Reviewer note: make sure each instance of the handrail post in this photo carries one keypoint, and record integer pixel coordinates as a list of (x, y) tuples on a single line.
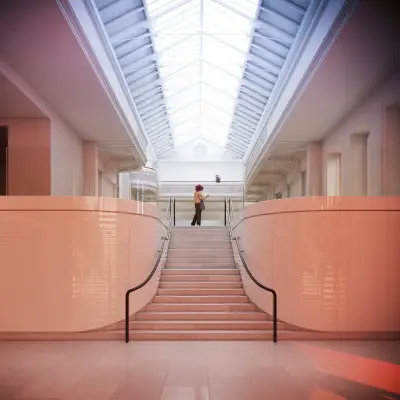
[(225, 212), (275, 316), (127, 317), (174, 211)]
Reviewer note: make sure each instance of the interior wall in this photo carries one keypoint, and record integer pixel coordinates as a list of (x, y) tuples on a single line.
[(29, 160), (72, 260), (66, 161), (335, 262), (368, 119), (198, 171)]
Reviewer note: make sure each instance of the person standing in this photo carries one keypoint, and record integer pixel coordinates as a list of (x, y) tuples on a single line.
[(198, 205)]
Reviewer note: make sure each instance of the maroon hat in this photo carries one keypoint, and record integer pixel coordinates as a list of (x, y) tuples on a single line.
[(199, 188)]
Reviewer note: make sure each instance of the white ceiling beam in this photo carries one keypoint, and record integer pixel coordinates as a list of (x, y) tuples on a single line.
[(257, 84), (242, 128), (258, 89), (154, 123), (123, 19), (248, 112), (247, 123), (238, 144), (244, 107), (253, 102), (168, 8), (171, 22), (244, 117), (279, 15), (135, 66), (266, 75), (150, 106), (232, 147), (162, 134), (157, 126), (145, 95), (301, 10), (118, 40), (143, 104), (245, 131), (237, 133), (269, 66), (155, 116), (153, 111), (252, 93), (132, 55), (285, 36), (143, 89)]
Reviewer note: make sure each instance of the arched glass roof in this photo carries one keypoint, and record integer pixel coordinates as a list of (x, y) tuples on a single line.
[(201, 68)]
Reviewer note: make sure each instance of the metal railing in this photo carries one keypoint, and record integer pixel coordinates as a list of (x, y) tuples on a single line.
[(168, 225), (258, 283)]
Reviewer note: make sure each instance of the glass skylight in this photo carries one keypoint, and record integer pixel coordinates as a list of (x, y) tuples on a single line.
[(201, 47)]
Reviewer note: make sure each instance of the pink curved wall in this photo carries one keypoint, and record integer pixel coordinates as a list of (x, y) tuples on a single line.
[(66, 262), (334, 261)]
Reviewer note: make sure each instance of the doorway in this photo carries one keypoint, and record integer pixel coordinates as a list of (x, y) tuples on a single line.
[(3, 160)]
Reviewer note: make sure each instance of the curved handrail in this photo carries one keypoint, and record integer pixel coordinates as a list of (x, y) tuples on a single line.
[(137, 287), (253, 278)]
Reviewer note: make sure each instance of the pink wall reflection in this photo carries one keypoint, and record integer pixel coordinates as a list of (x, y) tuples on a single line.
[(334, 262), (67, 261)]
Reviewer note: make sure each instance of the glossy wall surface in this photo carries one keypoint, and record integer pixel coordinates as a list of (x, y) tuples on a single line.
[(66, 262), (333, 261)]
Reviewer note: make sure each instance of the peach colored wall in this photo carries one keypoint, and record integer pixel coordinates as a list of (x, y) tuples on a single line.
[(368, 118), (66, 160), (334, 261), (67, 261), (28, 156)]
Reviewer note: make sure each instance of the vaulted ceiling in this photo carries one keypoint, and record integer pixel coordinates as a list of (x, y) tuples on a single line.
[(201, 69)]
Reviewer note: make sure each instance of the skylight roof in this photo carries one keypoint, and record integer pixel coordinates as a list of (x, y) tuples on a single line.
[(201, 46), (202, 68)]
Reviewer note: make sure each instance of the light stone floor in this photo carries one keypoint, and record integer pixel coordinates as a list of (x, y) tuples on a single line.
[(199, 370)]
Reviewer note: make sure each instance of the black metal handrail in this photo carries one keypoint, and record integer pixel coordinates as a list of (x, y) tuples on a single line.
[(160, 253), (253, 278)]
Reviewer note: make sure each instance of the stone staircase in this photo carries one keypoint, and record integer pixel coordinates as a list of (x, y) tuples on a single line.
[(200, 295)]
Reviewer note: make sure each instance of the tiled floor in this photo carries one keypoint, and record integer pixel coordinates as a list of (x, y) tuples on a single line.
[(199, 370)]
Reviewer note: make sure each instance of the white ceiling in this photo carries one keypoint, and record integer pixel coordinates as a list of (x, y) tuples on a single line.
[(365, 53), (37, 42)]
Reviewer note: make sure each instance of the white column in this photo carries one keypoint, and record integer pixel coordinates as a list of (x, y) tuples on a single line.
[(314, 169), (124, 186), (91, 168), (359, 166), (391, 152)]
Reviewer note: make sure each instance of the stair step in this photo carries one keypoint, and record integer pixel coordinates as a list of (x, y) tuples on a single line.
[(214, 279), (202, 260), (200, 292), (199, 265), (200, 316), (193, 244), (201, 237), (201, 307), (201, 271), (199, 284), (199, 325), (201, 299), (199, 335), (201, 253)]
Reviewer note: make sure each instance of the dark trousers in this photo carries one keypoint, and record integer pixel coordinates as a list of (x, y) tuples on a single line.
[(197, 215)]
